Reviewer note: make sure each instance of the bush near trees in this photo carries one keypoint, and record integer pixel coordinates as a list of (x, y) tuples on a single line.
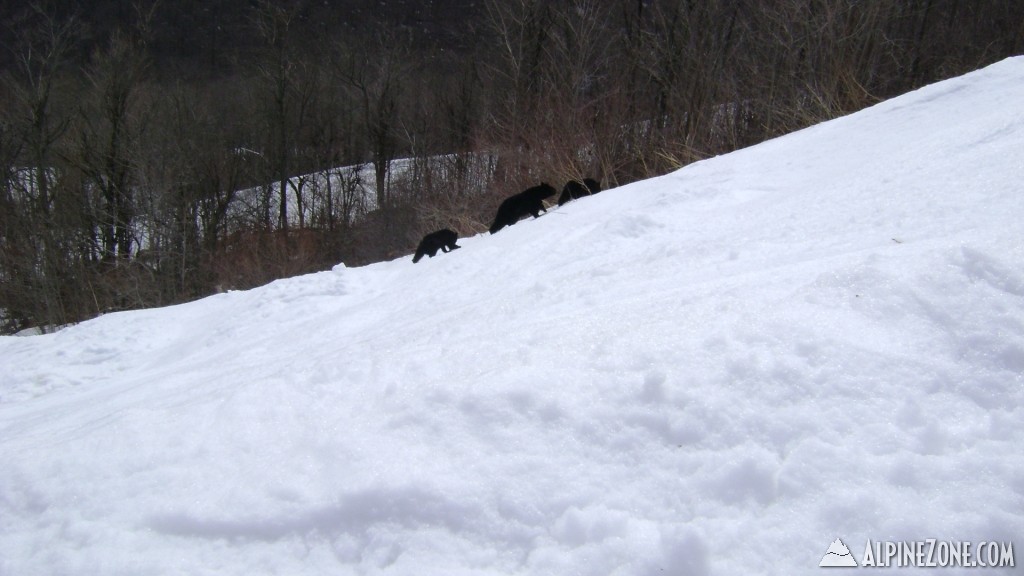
[(152, 153)]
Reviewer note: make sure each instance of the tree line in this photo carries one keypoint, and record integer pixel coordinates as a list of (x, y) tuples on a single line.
[(129, 181)]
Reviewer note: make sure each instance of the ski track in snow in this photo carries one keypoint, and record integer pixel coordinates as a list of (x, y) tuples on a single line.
[(719, 371)]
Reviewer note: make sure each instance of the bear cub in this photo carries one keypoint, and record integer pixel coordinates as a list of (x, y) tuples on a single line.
[(443, 240), (529, 201), (574, 189)]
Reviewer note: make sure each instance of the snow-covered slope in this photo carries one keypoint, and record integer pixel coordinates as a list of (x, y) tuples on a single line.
[(720, 371)]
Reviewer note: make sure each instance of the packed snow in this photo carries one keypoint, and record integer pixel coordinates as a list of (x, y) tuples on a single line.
[(716, 372)]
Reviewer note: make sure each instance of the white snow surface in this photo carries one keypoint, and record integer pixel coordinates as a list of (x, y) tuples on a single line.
[(718, 371)]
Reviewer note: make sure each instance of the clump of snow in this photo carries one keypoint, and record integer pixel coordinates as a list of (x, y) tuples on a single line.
[(718, 371)]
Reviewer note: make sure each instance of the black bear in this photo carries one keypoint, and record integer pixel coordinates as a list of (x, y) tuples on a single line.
[(441, 240), (529, 201), (574, 189)]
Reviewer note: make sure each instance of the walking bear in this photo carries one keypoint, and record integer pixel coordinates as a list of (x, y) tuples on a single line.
[(441, 240), (574, 189), (529, 201)]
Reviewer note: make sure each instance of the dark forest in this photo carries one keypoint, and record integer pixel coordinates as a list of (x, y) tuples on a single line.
[(157, 152)]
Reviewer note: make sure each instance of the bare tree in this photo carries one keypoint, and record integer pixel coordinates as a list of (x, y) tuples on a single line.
[(520, 33), (276, 70), (107, 128), (37, 232), (377, 77)]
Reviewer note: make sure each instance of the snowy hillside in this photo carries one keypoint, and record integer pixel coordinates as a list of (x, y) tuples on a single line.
[(720, 371)]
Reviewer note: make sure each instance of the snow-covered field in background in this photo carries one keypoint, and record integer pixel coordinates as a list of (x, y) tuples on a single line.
[(353, 189), (719, 371)]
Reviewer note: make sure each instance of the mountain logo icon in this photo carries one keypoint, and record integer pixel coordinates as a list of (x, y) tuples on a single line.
[(838, 556)]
